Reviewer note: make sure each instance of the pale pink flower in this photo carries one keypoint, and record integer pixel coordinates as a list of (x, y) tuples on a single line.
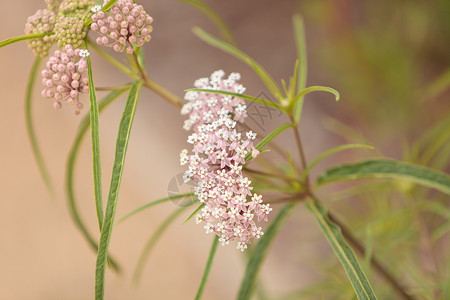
[(43, 21), (125, 25), (64, 77), (216, 161)]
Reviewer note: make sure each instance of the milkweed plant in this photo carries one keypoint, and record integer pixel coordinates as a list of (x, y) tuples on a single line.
[(224, 157)]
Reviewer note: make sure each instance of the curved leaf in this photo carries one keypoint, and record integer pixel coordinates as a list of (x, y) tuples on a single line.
[(73, 154), (310, 89), (224, 30), (269, 138), (145, 206), (152, 241), (260, 251), (327, 153), (384, 168), (266, 78), (95, 140), (30, 127), (22, 38), (116, 178), (242, 96), (208, 266), (342, 250)]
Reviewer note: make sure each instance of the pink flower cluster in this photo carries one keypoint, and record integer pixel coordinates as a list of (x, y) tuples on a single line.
[(43, 21), (219, 152), (63, 77), (124, 26)]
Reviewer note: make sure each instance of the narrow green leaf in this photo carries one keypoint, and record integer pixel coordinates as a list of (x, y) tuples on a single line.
[(30, 127), (383, 168), (221, 25), (327, 153), (152, 241), (116, 178), (153, 203), (342, 250), (293, 81), (208, 266), (70, 167), (22, 38), (95, 140), (108, 5), (266, 78), (299, 98), (300, 42), (194, 212), (260, 251), (242, 96), (269, 138)]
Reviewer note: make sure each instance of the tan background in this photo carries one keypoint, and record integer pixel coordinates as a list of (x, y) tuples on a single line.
[(43, 256)]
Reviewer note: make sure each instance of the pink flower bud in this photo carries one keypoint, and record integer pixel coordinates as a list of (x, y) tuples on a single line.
[(71, 66), (94, 26), (57, 105), (56, 77), (75, 84), (61, 68), (73, 94), (60, 88), (133, 29), (45, 73), (49, 83), (76, 76)]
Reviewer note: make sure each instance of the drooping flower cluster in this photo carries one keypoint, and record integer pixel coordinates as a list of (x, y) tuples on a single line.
[(43, 21), (219, 152), (64, 79), (124, 26)]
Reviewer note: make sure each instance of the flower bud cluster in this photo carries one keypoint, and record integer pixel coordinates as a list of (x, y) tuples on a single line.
[(53, 4), (219, 153), (63, 77), (69, 31), (125, 25), (69, 28), (43, 21)]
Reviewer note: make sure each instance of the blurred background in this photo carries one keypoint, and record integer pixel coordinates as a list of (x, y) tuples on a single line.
[(388, 59)]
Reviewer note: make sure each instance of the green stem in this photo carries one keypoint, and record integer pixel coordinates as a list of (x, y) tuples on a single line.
[(300, 151), (121, 67), (155, 87), (23, 38)]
